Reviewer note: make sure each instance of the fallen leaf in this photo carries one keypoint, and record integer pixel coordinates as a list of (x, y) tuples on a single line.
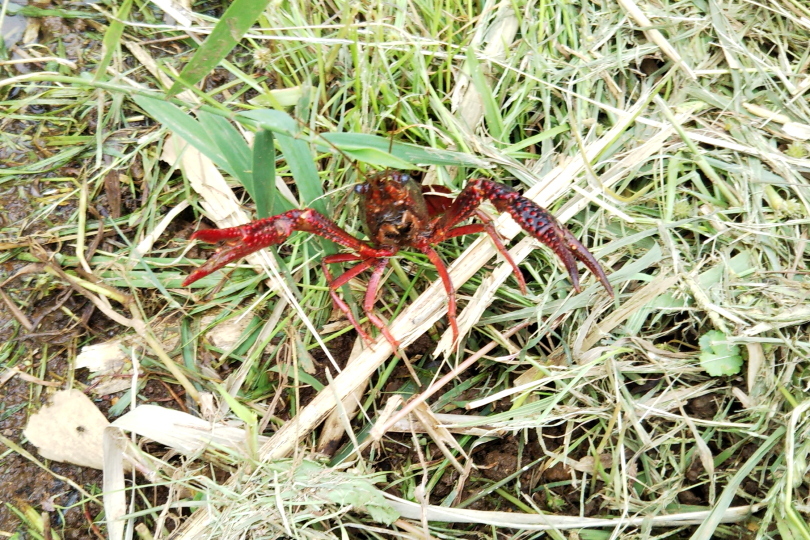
[(69, 430)]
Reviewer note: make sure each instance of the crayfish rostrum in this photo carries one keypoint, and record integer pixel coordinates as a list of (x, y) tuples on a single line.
[(399, 213)]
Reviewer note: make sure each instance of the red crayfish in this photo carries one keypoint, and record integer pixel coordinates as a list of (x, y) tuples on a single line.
[(399, 213)]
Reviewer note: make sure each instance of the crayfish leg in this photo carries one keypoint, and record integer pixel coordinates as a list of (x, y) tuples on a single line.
[(448, 287), (371, 296), (378, 265), (489, 228), (335, 284)]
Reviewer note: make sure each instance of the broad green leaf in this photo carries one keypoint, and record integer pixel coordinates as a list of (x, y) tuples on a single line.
[(183, 125), (216, 138), (230, 143), (236, 20), (277, 98), (272, 120), (718, 357), (378, 157), (299, 159)]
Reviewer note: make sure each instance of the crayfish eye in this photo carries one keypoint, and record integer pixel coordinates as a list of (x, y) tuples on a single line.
[(361, 188), (404, 178)]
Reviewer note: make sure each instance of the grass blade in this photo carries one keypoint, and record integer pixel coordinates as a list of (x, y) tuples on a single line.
[(226, 34), (263, 189), (492, 111), (302, 166), (112, 39), (230, 143), (352, 143), (183, 125), (271, 120)]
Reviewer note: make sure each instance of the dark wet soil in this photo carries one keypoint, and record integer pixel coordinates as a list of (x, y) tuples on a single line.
[(23, 483), (43, 337)]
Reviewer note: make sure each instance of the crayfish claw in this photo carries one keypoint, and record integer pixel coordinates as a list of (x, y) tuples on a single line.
[(542, 225), (212, 236), (226, 254), (575, 248)]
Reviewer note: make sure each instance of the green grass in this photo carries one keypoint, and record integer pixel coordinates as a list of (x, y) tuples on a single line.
[(665, 163)]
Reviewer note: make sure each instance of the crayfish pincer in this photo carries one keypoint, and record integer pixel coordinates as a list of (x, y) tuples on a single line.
[(399, 213)]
